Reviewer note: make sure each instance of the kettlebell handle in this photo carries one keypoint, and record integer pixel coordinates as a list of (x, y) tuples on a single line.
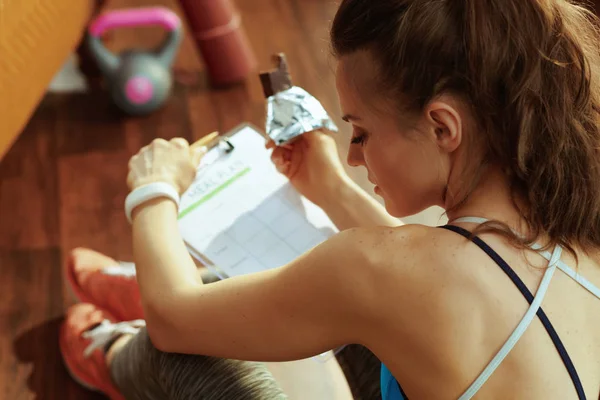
[(131, 18), (135, 17)]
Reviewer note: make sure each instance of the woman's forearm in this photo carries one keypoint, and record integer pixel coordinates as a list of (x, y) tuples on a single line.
[(163, 263), (349, 206)]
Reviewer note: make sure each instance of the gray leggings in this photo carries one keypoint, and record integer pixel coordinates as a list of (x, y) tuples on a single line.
[(141, 372)]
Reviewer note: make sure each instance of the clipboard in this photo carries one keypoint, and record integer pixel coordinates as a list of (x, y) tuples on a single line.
[(252, 217), (278, 213), (211, 141)]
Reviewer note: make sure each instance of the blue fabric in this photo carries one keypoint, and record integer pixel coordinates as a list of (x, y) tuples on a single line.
[(390, 389)]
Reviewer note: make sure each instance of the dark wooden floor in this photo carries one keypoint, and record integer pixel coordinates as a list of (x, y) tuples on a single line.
[(63, 183)]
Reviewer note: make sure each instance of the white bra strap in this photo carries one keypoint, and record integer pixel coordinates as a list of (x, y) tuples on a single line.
[(519, 330), (589, 286), (472, 220)]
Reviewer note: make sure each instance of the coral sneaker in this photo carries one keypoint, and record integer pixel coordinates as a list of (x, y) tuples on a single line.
[(86, 332), (112, 285)]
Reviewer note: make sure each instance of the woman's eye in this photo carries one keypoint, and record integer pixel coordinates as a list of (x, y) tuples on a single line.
[(358, 136)]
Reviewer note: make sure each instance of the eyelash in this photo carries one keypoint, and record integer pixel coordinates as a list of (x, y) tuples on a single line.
[(359, 137)]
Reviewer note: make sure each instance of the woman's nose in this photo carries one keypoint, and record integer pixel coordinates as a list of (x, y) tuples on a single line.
[(355, 156)]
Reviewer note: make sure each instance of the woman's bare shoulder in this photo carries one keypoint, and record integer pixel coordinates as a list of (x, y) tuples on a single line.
[(412, 258), (386, 244), (415, 272)]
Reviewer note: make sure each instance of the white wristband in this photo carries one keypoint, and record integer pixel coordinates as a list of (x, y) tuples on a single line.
[(149, 192)]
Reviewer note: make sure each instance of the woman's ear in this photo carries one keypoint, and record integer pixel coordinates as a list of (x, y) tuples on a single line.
[(445, 122)]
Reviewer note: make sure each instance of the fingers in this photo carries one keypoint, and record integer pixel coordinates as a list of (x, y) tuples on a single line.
[(132, 161), (271, 144), (170, 161), (284, 169), (198, 153), (159, 143), (281, 157), (180, 143), (130, 180)]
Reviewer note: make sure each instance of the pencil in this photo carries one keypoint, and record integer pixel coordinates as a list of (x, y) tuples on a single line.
[(205, 140)]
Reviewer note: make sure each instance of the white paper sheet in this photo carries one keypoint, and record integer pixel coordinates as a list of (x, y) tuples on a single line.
[(242, 216)]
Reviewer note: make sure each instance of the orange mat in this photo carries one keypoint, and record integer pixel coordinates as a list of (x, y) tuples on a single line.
[(36, 38)]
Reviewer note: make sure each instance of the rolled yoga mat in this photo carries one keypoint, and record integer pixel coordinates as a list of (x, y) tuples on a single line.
[(217, 30)]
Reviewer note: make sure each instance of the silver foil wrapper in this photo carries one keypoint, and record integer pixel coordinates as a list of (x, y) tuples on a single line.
[(293, 112)]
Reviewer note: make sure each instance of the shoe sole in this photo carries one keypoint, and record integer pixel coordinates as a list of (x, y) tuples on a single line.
[(82, 381), (78, 380), (75, 292)]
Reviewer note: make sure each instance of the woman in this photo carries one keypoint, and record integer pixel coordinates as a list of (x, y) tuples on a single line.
[(486, 108)]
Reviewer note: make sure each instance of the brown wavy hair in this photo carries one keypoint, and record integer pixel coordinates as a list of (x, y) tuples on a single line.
[(529, 69)]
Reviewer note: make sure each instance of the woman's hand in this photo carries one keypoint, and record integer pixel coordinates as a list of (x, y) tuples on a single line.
[(312, 165), (173, 162)]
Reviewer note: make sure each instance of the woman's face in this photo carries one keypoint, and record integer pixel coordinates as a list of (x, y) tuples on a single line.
[(409, 164)]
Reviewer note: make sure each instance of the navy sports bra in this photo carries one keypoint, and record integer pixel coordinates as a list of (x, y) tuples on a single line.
[(391, 389)]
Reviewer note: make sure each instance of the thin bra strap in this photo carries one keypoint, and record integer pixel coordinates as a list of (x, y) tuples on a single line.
[(531, 300), (589, 286), (519, 330)]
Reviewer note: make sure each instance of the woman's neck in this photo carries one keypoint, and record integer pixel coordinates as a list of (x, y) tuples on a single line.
[(492, 199)]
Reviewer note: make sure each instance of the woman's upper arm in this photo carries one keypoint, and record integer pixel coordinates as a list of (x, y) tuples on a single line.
[(313, 304)]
